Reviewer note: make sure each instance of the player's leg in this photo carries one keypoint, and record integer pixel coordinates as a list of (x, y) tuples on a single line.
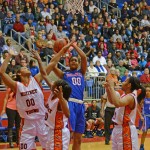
[(89, 128), (79, 127), (65, 138), (99, 123), (28, 133), (42, 132)]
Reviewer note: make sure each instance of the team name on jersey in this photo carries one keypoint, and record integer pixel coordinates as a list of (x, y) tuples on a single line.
[(72, 75), (48, 109), (28, 92), (32, 111)]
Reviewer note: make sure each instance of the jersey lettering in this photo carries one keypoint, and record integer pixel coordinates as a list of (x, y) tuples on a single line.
[(23, 146), (30, 102)]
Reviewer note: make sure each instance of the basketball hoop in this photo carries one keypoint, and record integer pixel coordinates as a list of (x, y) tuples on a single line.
[(74, 6)]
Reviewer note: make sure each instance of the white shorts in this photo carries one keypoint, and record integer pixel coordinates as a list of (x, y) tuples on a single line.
[(130, 140), (32, 128), (58, 139)]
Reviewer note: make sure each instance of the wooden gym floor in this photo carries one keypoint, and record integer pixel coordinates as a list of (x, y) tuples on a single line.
[(96, 143)]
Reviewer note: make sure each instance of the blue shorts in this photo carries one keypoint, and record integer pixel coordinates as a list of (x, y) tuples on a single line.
[(77, 119), (145, 125)]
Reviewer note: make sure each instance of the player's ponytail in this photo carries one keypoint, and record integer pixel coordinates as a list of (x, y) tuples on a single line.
[(135, 85)]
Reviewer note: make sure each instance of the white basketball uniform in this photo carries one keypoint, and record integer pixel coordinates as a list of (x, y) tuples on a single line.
[(124, 135), (30, 105), (58, 134)]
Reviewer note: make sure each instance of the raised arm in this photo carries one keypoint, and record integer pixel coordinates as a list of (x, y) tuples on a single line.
[(115, 99), (83, 59), (56, 59), (5, 77)]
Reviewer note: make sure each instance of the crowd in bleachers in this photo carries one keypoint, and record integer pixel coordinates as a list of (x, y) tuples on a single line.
[(123, 43)]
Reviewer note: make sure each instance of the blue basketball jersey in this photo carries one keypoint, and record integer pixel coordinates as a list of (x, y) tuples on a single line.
[(146, 108), (76, 80)]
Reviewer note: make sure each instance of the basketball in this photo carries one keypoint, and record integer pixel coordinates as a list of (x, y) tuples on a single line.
[(59, 44)]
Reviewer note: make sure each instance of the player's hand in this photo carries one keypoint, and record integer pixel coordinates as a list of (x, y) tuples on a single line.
[(59, 93), (35, 54)]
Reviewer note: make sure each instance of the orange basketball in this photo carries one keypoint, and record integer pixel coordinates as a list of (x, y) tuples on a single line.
[(59, 44)]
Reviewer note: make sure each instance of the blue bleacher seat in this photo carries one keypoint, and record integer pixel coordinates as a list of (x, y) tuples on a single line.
[(95, 41), (66, 32), (139, 73)]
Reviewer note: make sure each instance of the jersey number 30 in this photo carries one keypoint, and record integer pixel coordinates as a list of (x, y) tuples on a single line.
[(76, 81)]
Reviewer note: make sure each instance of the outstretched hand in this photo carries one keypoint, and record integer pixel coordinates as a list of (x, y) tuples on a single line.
[(35, 54)]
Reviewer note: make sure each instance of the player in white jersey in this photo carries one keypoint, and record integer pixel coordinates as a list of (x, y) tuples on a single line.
[(124, 135), (30, 99), (57, 116)]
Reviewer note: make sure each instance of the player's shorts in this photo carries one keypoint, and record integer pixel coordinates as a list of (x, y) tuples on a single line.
[(58, 139), (77, 119), (31, 129), (144, 125), (124, 138)]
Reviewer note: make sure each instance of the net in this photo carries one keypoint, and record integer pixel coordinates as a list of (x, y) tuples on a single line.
[(75, 6)]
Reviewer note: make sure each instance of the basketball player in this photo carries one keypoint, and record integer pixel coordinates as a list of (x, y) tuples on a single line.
[(30, 100), (124, 135), (75, 78), (145, 120)]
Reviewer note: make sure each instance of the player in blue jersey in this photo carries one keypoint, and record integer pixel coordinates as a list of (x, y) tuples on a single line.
[(145, 118), (75, 78)]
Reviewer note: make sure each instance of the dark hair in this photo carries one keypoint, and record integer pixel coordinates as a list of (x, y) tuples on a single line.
[(66, 89), (135, 85), (18, 78), (31, 63), (73, 57)]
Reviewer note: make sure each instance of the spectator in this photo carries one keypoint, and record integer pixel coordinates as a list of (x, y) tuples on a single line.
[(109, 65), (134, 62), (60, 33), (117, 58), (2, 42), (21, 56), (33, 68), (12, 67), (100, 58), (94, 119), (121, 67), (100, 68), (116, 36), (29, 15), (132, 50), (126, 75), (45, 13), (37, 14), (8, 45), (145, 77), (8, 23), (92, 71), (142, 63), (112, 75), (118, 75)]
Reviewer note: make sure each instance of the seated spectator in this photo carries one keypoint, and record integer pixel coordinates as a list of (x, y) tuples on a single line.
[(37, 14), (89, 37), (109, 65), (134, 74), (2, 42), (118, 76), (45, 13), (89, 51), (142, 63), (60, 33), (29, 15), (121, 67), (126, 75), (94, 120), (127, 61), (117, 58), (134, 63), (118, 44), (116, 36), (92, 7), (12, 67), (132, 50), (112, 75), (100, 68), (148, 63), (8, 45), (40, 26), (145, 77), (100, 58), (21, 56), (4, 55), (8, 22), (33, 68), (23, 63), (92, 71)]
